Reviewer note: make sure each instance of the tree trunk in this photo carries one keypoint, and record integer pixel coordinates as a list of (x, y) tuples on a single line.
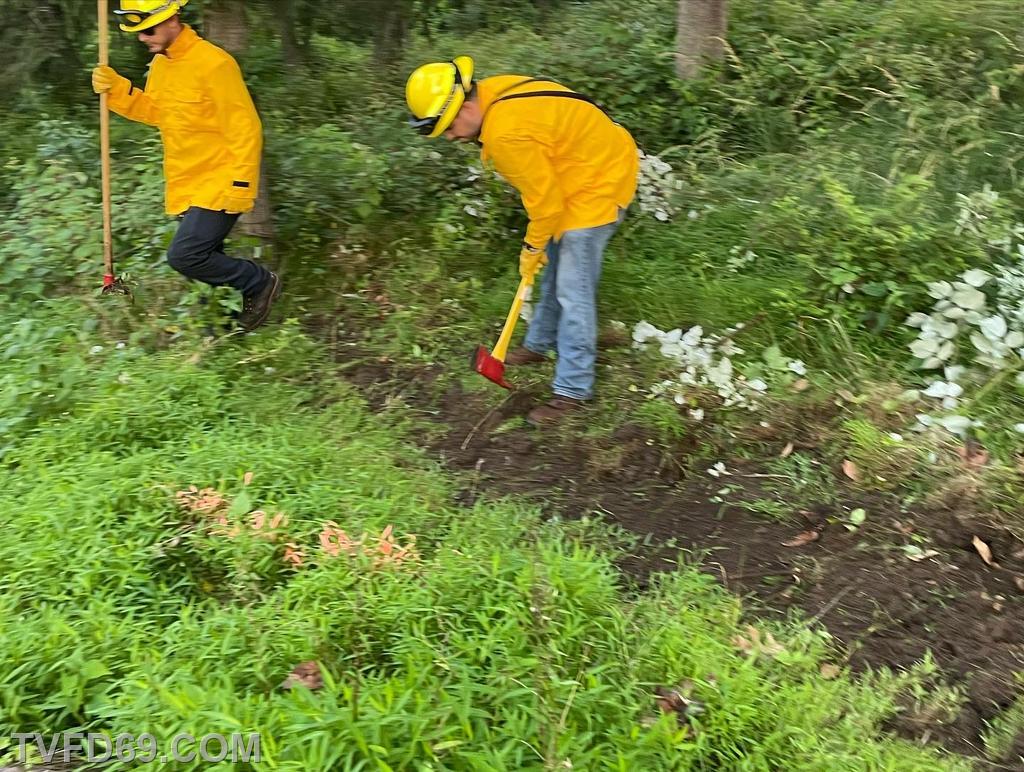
[(700, 35), (225, 24), (392, 28), (284, 12)]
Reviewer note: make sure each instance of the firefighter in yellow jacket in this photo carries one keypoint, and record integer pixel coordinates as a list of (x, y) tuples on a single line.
[(212, 141), (576, 172)]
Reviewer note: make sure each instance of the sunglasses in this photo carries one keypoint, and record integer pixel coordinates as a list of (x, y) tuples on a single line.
[(149, 31)]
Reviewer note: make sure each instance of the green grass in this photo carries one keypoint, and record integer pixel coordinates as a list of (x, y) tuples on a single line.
[(510, 645)]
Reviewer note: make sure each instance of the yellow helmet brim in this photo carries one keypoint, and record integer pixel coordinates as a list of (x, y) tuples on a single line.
[(141, 20), (436, 92)]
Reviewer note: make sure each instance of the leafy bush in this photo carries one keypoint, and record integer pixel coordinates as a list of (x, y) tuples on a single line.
[(506, 644)]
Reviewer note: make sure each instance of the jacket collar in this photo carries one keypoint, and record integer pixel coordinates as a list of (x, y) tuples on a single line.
[(181, 45)]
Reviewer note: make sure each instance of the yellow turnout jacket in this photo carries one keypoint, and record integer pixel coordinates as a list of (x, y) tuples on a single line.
[(210, 129), (572, 165)]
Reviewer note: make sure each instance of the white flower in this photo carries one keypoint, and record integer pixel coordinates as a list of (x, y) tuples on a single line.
[(95, 349), (940, 289), (758, 385), (1014, 339), (848, 288), (895, 437), (917, 319), (976, 277), (946, 350), (955, 424), (993, 327), (471, 210), (718, 470), (969, 298), (120, 344), (697, 415), (953, 372), (940, 389), (922, 348), (944, 329), (983, 344), (798, 367), (693, 214), (693, 336), (644, 331), (1019, 428)]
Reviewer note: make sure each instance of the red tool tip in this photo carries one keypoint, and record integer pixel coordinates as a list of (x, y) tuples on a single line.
[(491, 368)]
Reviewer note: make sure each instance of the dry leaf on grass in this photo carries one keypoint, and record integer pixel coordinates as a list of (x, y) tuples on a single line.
[(787, 451), (247, 478), (973, 455), (305, 674), (801, 385), (850, 470), (802, 539), (917, 554), (753, 644), (830, 671), (678, 701), (983, 550)]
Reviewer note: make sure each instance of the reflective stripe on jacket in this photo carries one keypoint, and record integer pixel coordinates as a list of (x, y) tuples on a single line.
[(211, 132), (572, 165)]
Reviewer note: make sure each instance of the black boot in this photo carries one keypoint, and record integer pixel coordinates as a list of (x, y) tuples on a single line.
[(256, 307)]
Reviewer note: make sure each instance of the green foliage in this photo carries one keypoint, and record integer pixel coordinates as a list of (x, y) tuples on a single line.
[(509, 646)]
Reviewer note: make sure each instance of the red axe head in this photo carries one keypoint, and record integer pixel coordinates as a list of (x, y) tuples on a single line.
[(490, 367)]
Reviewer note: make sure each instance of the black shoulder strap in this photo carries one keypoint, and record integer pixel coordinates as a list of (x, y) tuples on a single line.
[(563, 94)]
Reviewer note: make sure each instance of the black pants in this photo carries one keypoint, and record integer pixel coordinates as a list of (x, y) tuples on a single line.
[(197, 252)]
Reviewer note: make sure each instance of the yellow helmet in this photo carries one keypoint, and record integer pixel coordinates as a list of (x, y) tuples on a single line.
[(435, 93), (143, 14)]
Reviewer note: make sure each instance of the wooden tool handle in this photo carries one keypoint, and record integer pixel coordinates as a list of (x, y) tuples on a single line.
[(108, 244)]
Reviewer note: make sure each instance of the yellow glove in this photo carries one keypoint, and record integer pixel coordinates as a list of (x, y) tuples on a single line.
[(531, 260), (105, 78)]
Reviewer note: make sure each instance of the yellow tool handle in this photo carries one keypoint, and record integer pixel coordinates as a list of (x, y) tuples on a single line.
[(108, 244), (513, 315)]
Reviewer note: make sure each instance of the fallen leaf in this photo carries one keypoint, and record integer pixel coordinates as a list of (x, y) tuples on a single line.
[(983, 550), (973, 455), (247, 478), (917, 554), (787, 451), (801, 385), (846, 395), (850, 470), (830, 671), (1019, 581), (802, 539), (305, 674), (753, 643)]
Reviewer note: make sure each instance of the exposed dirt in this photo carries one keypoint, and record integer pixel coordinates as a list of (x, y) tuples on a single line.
[(886, 609)]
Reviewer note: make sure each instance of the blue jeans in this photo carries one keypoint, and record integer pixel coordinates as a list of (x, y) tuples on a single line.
[(565, 317)]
